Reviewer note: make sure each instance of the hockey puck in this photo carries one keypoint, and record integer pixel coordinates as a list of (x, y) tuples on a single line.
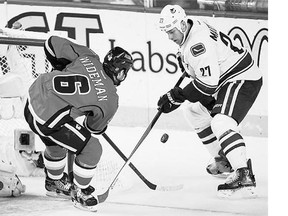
[(164, 138)]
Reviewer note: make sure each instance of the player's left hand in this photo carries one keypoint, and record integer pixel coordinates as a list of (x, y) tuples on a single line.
[(171, 100)]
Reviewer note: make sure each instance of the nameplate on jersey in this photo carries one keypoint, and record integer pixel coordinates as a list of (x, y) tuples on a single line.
[(197, 49)]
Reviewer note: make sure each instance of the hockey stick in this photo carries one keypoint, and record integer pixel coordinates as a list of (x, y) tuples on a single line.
[(103, 197), (70, 161), (138, 173)]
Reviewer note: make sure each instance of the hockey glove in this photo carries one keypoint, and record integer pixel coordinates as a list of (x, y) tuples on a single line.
[(171, 100), (96, 129)]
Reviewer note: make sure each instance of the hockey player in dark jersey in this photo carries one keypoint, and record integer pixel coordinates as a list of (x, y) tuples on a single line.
[(79, 85)]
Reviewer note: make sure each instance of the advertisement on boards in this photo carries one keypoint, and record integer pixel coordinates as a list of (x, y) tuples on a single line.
[(155, 69)]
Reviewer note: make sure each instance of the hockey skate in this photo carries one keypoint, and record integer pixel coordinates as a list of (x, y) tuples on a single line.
[(58, 188), (220, 167), (240, 184), (83, 198)]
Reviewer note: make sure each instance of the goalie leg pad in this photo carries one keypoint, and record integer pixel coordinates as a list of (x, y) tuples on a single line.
[(11, 85), (10, 184)]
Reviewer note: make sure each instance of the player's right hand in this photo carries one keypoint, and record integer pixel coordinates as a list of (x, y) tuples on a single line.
[(165, 105), (171, 100)]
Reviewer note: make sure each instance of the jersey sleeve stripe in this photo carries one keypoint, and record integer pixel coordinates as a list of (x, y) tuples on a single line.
[(59, 117), (49, 48)]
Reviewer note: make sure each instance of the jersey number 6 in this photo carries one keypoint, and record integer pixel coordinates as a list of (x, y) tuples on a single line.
[(71, 84)]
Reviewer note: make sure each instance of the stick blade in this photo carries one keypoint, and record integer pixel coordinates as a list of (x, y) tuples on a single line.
[(102, 197), (170, 188)]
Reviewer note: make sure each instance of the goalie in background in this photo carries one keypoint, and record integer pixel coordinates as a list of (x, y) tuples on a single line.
[(218, 69), (14, 79), (16, 69), (79, 85), (10, 184)]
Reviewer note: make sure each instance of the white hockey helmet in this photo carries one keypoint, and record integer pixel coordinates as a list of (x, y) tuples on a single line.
[(172, 16)]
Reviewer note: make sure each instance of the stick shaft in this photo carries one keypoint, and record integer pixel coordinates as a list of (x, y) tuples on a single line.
[(131, 165), (104, 196), (70, 161)]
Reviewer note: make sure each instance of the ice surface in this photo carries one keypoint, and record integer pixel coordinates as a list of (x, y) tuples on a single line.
[(181, 160)]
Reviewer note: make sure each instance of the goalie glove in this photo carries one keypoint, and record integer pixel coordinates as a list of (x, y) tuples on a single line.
[(171, 100)]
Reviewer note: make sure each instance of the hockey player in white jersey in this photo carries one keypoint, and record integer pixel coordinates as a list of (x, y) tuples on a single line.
[(225, 82)]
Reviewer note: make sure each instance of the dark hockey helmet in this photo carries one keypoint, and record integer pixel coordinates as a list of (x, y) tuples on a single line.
[(117, 63)]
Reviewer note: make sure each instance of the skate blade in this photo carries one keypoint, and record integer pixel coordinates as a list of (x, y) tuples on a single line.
[(85, 208), (57, 195), (222, 175), (244, 192)]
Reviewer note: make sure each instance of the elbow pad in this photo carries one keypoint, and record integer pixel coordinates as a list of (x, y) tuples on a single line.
[(57, 63)]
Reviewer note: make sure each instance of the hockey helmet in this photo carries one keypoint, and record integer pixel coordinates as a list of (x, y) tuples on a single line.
[(172, 16), (117, 63)]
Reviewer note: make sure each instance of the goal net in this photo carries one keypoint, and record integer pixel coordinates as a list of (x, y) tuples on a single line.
[(22, 60), (20, 64)]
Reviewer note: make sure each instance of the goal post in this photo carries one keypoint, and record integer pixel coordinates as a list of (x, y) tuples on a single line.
[(22, 41), (22, 60)]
